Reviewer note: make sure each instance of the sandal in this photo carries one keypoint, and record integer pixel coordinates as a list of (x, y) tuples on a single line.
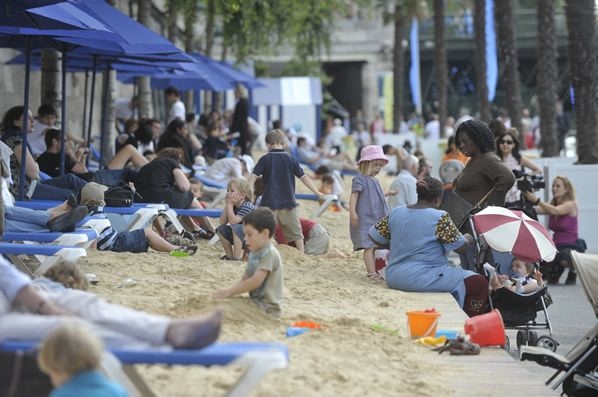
[(459, 347), (375, 276)]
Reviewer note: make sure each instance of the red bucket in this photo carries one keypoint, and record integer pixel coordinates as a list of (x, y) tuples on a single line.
[(486, 329)]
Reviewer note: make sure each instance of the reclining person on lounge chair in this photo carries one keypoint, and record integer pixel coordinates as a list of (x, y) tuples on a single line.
[(31, 310)]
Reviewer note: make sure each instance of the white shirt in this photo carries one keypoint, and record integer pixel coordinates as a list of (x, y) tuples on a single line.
[(225, 169), (35, 140), (336, 135), (122, 109), (432, 130), (404, 183), (177, 110)]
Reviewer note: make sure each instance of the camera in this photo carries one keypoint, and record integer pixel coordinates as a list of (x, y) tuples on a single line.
[(529, 183)]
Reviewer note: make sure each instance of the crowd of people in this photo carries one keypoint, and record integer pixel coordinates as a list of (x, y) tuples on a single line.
[(259, 207)]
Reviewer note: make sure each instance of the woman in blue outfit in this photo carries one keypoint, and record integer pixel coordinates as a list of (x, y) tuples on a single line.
[(420, 236)]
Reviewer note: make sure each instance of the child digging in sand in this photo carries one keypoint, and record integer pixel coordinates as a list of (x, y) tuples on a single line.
[(263, 274), (71, 357), (523, 277)]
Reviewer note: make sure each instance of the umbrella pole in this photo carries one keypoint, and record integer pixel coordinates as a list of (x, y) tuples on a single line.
[(85, 92), (25, 128), (93, 89), (104, 111), (63, 112)]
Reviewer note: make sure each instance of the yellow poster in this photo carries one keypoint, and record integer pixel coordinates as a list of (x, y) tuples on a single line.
[(387, 100)]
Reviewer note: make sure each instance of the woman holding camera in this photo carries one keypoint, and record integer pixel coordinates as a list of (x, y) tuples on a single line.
[(508, 151), (562, 214)]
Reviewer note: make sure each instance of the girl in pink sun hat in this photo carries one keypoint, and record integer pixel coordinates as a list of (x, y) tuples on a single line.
[(367, 204)]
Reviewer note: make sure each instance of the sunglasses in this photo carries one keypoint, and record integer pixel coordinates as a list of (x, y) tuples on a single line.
[(502, 141)]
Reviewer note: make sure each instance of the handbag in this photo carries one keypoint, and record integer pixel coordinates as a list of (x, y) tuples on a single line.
[(457, 207), (460, 209), (119, 196)]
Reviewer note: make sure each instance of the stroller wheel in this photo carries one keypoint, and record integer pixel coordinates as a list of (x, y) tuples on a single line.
[(547, 342), (521, 338), (532, 338)]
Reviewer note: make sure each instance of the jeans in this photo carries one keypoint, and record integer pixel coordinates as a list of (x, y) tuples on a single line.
[(111, 178), (58, 188), (19, 219)]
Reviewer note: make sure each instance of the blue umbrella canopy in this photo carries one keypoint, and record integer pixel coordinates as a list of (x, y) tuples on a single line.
[(46, 15), (226, 70), (130, 30), (78, 63)]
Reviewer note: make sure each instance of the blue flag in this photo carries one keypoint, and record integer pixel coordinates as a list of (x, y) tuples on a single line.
[(491, 61), (414, 72)]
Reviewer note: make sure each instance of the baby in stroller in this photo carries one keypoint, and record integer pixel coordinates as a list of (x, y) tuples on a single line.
[(523, 277)]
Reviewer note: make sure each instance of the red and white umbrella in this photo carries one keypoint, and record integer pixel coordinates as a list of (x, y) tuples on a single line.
[(512, 231)]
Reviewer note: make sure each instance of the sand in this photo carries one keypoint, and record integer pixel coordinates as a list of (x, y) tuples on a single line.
[(345, 358)]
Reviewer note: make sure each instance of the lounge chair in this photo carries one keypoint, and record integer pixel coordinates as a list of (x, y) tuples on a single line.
[(47, 255), (258, 359), (81, 238)]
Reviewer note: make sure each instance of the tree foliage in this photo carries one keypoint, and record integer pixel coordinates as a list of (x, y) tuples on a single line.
[(260, 27)]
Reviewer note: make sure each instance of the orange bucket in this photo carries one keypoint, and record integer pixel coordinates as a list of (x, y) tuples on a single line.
[(422, 323), (486, 329)]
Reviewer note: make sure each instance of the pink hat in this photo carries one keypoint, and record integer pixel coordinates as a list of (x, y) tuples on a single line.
[(372, 152)]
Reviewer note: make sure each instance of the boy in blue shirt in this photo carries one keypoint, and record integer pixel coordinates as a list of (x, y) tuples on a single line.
[(278, 171), (71, 356)]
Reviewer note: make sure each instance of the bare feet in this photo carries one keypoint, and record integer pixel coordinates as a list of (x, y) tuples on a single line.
[(195, 332)]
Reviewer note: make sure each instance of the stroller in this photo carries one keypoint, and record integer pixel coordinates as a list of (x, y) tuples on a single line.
[(580, 365), (500, 235)]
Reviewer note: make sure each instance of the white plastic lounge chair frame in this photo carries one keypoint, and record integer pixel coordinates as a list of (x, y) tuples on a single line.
[(258, 359), (47, 255)]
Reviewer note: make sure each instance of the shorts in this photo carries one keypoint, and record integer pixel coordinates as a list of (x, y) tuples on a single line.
[(289, 223), (226, 232), (318, 241), (134, 241)]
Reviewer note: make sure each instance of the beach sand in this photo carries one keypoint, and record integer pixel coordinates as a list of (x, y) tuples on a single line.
[(346, 357)]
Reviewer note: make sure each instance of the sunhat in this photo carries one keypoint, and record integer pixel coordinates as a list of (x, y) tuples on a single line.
[(248, 160), (372, 152)]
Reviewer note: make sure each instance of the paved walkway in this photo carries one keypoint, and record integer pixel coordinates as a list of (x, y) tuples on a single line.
[(492, 373)]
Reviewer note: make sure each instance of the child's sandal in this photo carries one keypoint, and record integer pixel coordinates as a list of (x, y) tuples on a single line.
[(374, 276)]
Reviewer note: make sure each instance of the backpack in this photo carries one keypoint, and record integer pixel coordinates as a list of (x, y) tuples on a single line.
[(119, 196)]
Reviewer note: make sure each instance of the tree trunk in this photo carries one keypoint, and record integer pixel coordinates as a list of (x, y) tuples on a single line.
[(505, 26), (144, 95), (190, 10), (398, 69), (479, 27), (440, 62), (547, 77), (107, 122), (582, 60), (171, 19), (50, 84), (210, 17)]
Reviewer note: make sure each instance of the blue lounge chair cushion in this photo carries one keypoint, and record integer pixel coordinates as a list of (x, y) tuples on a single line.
[(210, 182), (216, 354), (45, 237)]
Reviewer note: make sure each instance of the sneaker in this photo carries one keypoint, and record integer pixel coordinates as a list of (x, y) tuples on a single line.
[(184, 251)]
